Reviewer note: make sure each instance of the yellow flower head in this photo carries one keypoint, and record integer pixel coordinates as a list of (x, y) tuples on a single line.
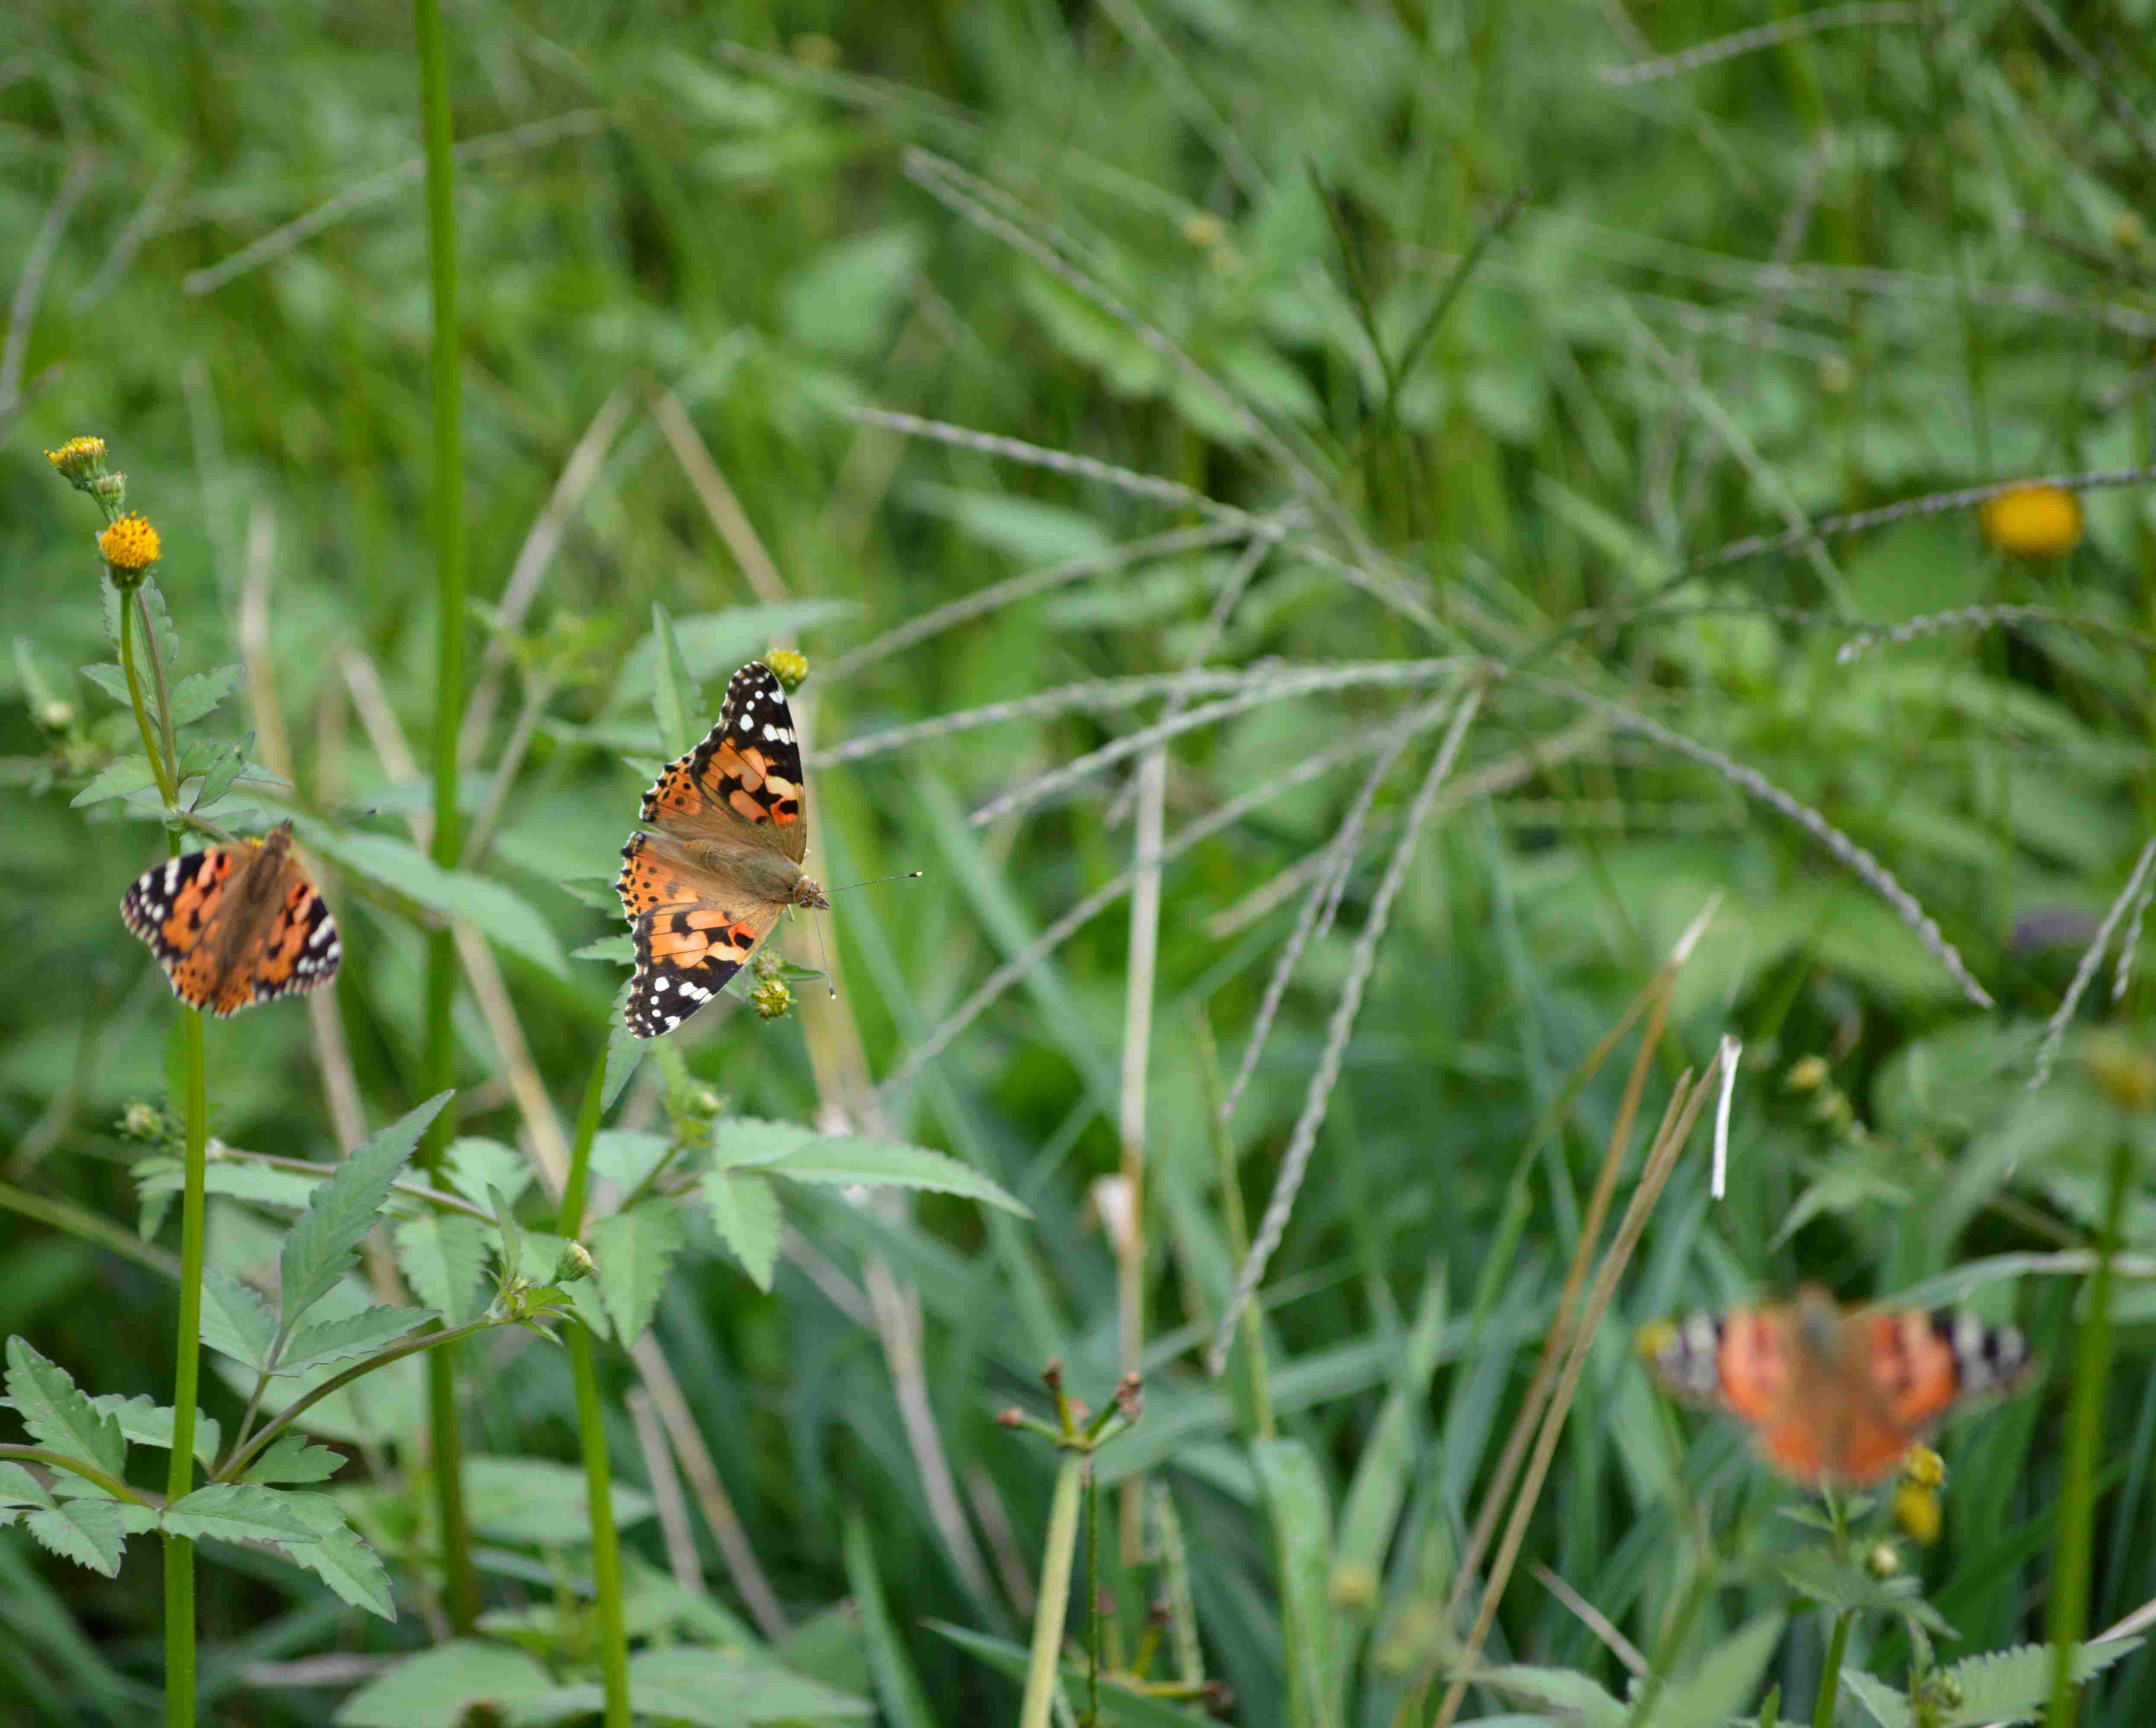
[(131, 546), (2034, 521), (771, 999), (1923, 1467), (791, 667), (80, 459), (1916, 1511)]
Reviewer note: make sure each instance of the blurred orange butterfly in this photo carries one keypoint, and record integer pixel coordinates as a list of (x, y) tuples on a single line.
[(1833, 1394)]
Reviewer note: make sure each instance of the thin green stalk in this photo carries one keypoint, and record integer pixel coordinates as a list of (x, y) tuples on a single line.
[(1055, 1600), (443, 1423), (165, 789), (591, 1424), (1829, 1685), (1259, 1387), (141, 609), (79, 1221), (233, 1468), (1669, 1648), (2070, 1562), (75, 1466), (1092, 1598)]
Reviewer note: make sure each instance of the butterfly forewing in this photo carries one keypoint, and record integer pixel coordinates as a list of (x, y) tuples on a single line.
[(235, 925)]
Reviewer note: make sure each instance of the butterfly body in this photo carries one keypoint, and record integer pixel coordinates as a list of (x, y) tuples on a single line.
[(1837, 1395), (722, 860), (235, 925)]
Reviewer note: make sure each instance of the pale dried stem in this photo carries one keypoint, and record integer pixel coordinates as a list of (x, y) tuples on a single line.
[(1979, 618), (2055, 1028), (534, 558), (1278, 686), (1854, 858), (376, 188), (1144, 953), (549, 1145), (1596, 1621), (1764, 36), (1026, 958), (332, 1055), (674, 1527), (717, 497), (1302, 1141), (1686, 1102), (1023, 586), (703, 1474), (994, 1520)]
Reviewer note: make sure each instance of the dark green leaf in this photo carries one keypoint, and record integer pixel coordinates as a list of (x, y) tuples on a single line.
[(356, 1335), (290, 1458), (497, 912), (148, 1424), (116, 779), (58, 1414), (443, 1256), (341, 1210), (636, 1249), (745, 1207), (90, 1532)]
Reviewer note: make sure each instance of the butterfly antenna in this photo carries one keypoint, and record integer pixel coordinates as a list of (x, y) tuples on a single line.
[(902, 876), (824, 955)]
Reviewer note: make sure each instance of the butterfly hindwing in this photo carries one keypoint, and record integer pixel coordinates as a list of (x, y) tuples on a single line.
[(746, 770), (235, 925), (689, 939)]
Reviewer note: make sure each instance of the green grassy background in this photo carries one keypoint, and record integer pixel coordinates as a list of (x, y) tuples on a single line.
[(1855, 266)]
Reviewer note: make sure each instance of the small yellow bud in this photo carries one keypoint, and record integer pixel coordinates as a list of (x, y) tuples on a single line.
[(1882, 1560), (1806, 1073), (2123, 1069), (130, 546), (771, 999), (79, 460), (2127, 231), (766, 964), (575, 1263), (1923, 1467), (792, 667), (108, 488), (1204, 229), (2034, 521), (142, 1121), (1916, 1511), (1354, 1586)]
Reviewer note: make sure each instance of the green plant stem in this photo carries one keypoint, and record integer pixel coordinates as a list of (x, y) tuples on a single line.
[(179, 1550), (2071, 1563), (79, 1221), (1257, 1387), (164, 779), (462, 1580), (141, 609), (1055, 1592), (75, 1466), (1829, 1685), (1670, 1647), (236, 1466), (591, 1424)]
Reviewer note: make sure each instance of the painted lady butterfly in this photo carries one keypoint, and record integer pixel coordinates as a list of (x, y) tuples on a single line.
[(710, 884), (235, 925), (1834, 1394)]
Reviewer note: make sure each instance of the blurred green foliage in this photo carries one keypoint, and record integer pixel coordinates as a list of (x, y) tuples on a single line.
[(1425, 295)]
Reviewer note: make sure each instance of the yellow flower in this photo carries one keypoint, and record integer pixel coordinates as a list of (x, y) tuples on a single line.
[(2034, 521), (80, 459), (792, 667), (771, 999), (1916, 1511), (131, 546), (1923, 1467)]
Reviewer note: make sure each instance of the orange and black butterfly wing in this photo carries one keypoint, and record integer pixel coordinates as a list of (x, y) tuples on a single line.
[(291, 950), (174, 907), (747, 770), (690, 934)]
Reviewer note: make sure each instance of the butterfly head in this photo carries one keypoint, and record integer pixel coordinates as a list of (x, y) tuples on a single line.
[(809, 892), (1818, 1322), (277, 843)]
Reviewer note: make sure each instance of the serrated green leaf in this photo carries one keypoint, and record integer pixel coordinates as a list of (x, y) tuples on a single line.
[(151, 1424), (621, 950), (1884, 1705), (443, 1256), (360, 1333), (438, 1687), (2015, 1685), (674, 697), (636, 1250), (474, 1164), (341, 1211), (1727, 1678), (713, 644), (625, 1050), (627, 1157), (290, 1458), (237, 1512), (337, 1554), (160, 627), (19, 1488), (597, 892), (1575, 1698), (235, 1321), (844, 1160), (702, 1688), (223, 769), (497, 912), (199, 693), (109, 676), (511, 1248), (116, 779), (91, 1533), (59, 1414), (745, 1207)]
